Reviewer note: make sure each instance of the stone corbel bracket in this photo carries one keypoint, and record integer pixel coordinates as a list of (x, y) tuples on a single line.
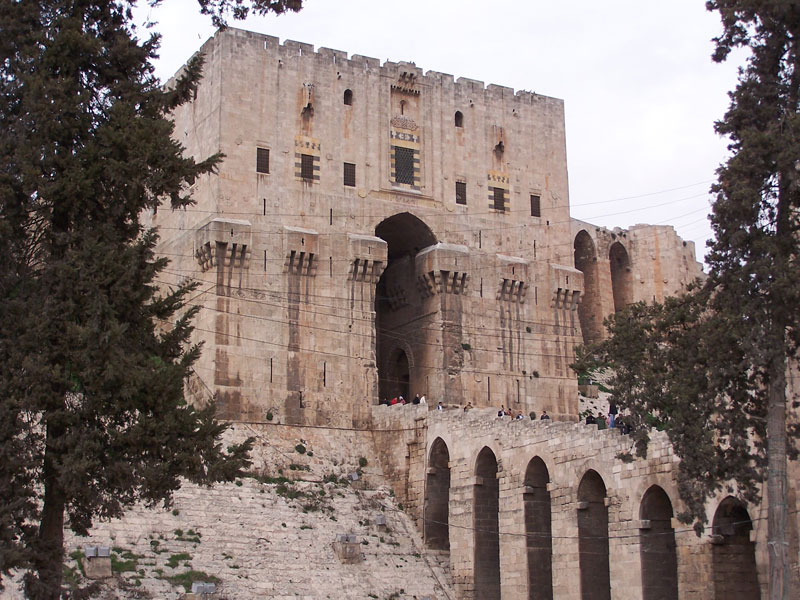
[(231, 236), (300, 251), (368, 255), (514, 278), (567, 287), (443, 269)]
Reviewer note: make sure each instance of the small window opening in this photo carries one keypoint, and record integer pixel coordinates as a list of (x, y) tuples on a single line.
[(459, 119), (499, 199), (536, 206), (461, 192), (404, 165), (350, 174), (348, 97), (307, 167), (262, 160), (402, 107)]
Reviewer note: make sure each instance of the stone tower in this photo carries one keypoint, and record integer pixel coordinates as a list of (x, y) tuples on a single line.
[(376, 231)]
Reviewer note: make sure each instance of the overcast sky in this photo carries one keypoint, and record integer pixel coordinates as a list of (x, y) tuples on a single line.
[(640, 89)]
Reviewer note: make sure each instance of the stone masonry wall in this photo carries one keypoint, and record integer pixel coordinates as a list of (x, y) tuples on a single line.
[(569, 451)]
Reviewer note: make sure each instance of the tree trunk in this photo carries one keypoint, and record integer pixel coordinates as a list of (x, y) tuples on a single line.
[(777, 544), (49, 557)]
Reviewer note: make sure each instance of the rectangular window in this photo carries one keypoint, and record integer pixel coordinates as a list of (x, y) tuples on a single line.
[(307, 167), (262, 160), (404, 165), (461, 192), (536, 206), (350, 174), (499, 199)]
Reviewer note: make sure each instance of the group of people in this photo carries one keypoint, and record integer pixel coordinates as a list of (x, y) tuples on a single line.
[(402, 401), (613, 421), (518, 416)]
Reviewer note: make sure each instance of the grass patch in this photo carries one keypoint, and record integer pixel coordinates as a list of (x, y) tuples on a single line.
[(127, 562), (187, 578), (174, 559), (77, 556), (71, 576)]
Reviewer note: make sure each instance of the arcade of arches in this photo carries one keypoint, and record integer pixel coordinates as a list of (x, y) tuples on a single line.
[(531, 510), (612, 272), (734, 563)]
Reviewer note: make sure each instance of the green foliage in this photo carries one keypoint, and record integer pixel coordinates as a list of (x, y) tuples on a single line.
[(709, 368), (124, 564), (300, 449), (186, 579), (362, 462), (175, 559), (92, 412)]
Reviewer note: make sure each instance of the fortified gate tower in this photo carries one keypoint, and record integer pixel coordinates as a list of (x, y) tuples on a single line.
[(377, 231)]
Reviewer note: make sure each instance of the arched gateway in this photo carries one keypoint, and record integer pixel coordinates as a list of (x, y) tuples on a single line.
[(400, 334)]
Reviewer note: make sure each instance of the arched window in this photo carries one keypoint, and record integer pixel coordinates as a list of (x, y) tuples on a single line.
[(459, 119), (348, 97)]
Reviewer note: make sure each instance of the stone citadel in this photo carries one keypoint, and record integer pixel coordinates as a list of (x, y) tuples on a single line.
[(377, 231)]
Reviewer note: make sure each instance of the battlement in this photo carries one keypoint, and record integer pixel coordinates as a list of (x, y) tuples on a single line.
[(291, 50)]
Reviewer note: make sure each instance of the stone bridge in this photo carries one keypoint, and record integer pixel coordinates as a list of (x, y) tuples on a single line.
[(545, 509)]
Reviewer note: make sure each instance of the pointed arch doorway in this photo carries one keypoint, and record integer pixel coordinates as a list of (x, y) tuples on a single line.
[(401, 333)]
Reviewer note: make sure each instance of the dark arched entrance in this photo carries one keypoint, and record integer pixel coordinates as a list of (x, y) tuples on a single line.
[(590, 311), (397, 376), (621, 277), (593, 538), (734, 556), (538, 533), (437, 497), (397, 319), (657, 550), (486, 524)]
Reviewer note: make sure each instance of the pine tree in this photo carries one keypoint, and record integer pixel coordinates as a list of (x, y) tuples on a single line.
[(710, 367), (93, 354)]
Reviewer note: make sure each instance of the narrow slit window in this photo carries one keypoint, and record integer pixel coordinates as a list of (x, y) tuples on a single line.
[(461, 192), (404, 165), (536, 206), (350, 174), (307, 167), (262, 160)]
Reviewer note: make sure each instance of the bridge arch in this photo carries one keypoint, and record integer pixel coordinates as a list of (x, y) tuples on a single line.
[(436, 528), (593, 538), (538, 530), (657, 546), (486, 505), (733, 554)]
